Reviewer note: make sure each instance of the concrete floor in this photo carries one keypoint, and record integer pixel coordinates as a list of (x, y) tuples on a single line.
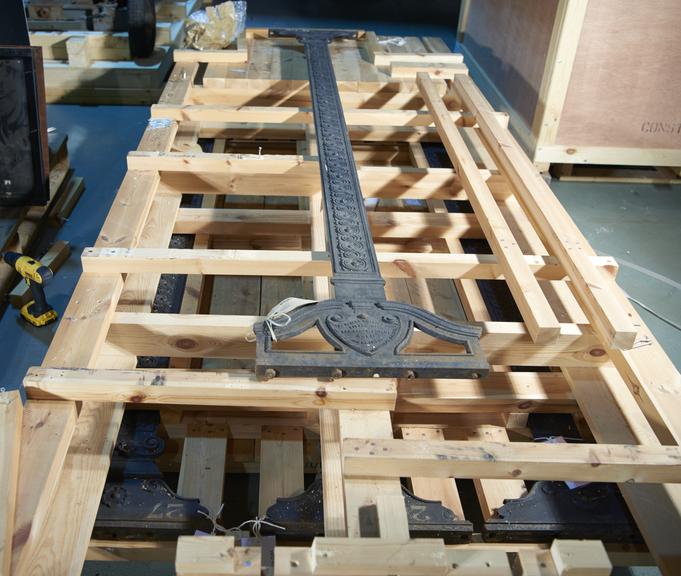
[(637, 224)]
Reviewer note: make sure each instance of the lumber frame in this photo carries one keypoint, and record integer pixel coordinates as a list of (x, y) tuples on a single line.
[(629, 397)]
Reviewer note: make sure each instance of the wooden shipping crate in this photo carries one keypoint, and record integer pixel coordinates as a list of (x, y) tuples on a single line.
[(83, 66), (585, 82), (258, 237)]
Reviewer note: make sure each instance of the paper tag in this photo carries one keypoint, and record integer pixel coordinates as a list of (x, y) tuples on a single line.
[(288, 305), (279, 317), (569, 483)]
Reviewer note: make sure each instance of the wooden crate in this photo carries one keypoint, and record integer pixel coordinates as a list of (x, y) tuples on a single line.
[(72, 15), (585, 82), (94, 67), (259, 237)]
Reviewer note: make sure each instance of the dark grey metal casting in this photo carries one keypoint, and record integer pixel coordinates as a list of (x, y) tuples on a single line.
[(368, 332)]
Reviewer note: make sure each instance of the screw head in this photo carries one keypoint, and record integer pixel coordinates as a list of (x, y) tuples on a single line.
[(336, 373), (270, 373), (411, 374)]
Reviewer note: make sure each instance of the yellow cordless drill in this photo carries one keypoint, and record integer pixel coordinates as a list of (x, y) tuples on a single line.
[(38, 312)]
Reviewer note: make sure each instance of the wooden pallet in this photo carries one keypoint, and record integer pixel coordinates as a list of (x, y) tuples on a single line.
[(259, 237), (94, 67), (21, 228), (72, 15), (562, 109), (617, 174)]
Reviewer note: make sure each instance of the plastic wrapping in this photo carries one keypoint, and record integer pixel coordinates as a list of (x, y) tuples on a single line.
[(215, 27)]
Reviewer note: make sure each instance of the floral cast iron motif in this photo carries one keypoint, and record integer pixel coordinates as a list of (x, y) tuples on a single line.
[(368, 332)]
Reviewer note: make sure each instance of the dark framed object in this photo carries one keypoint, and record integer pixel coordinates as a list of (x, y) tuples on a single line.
[(24, 153)]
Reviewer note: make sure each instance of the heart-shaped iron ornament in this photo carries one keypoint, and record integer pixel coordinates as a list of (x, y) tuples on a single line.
[(365, 331)]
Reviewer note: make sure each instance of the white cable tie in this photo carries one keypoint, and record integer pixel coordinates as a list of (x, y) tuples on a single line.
[(255, 525), (271, 321), (214, 520), (279, 317)]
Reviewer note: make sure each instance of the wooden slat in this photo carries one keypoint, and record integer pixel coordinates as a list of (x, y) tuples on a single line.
[(540, 319), (379, 494), (295, 177), (281, 465), (492, 493), (244, 222), (302, 263), (440, 489), (536, 461), (220, 556), (11, 412), (211, 56), (211, 336), (295, 115), (179, 85), (498, 392), (46, 426), (437, 70), (204, 452), (580, 557), (205, 388), (558, 230), (332, 473)]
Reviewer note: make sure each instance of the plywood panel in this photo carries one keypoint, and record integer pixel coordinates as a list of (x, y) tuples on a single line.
[(624, 89), (509, 40)]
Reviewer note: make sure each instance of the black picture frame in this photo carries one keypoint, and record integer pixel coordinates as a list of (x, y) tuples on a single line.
[(24, 152)]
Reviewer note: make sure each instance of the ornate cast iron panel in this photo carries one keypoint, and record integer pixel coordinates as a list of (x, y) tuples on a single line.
[(368, 332), (302, 516), (136, 501)]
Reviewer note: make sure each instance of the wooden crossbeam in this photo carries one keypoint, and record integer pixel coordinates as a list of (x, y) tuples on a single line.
[(498, 392), (244, 131), (205, 388), (298, 115), (211, 56), (215, 336), (295, 93), (238, 174), (555, 225), (533, 461), (533, 305), (220, 556), (302, 263), (248, 222)]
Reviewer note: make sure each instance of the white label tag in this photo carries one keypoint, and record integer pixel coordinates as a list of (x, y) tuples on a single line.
[(279, 315), (288, 305)]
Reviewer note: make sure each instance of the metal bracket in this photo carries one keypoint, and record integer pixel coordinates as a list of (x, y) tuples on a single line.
[(368, 333), (136, 501), (551, 510), (303, 517)]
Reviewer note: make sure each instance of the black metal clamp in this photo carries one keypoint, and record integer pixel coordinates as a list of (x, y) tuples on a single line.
[(368, 332)]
